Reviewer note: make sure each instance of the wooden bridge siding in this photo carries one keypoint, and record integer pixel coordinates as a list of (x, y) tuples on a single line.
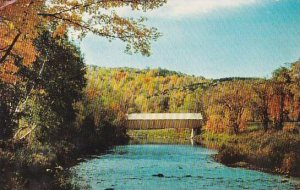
[(162, 124)]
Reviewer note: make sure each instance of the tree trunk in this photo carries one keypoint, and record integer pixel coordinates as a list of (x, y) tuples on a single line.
[(298, 107), (265, 119), (20, 108), (236, 128), (279, 124), (266, 124)]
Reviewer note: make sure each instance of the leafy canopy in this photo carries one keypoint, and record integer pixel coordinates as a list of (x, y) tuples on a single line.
[(21, 21)]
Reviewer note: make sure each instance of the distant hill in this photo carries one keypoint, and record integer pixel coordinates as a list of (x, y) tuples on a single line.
[(165, 72), (236, 79), (159, 71)]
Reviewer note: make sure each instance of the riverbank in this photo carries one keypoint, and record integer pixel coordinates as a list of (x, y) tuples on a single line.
[(160, 136), (45, 167), (272, 140), (273, 151)]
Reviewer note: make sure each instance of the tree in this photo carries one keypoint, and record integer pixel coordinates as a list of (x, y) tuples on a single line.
[(10, 96), (21, 22), (280, 82), (228, 105), (295, 88), (58, 75), (260, 103)]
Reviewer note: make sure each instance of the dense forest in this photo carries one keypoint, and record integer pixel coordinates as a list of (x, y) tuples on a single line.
[(156, 90), (228, 104)]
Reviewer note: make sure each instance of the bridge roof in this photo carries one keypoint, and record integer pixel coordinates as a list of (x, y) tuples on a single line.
[(164, 116)]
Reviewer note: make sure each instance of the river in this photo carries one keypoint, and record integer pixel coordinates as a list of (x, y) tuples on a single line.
[(146, 167)]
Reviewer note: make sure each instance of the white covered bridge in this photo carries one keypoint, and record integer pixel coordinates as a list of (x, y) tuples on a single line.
[(144, 121)]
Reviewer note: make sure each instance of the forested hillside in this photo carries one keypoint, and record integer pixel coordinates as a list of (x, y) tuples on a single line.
[(156, 90), (227, 104)]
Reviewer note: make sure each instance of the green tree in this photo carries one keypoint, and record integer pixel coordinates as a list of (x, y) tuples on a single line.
[(9, 98), (56, 83)]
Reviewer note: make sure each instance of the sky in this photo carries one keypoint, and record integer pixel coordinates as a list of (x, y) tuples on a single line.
[(211, 38)]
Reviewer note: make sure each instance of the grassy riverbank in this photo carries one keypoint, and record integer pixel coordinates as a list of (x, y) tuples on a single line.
[(272, 151)]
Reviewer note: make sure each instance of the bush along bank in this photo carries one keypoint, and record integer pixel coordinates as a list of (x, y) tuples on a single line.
[(46, 166), (272, 151)]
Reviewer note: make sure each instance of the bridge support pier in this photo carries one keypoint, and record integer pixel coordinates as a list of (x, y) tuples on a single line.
[(194, 132)]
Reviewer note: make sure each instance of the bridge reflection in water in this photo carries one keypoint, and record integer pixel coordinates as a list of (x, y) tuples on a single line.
[(145, 121)]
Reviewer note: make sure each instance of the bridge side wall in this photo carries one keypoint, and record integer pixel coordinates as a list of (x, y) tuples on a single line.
[(162, 124)]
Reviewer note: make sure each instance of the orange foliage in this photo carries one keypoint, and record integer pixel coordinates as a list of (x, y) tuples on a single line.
[(21, 21), (228, 107)]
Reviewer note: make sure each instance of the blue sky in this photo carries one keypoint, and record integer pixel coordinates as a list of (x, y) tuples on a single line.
[(211, 38)]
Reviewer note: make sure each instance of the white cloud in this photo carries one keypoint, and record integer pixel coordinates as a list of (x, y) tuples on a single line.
[(181, 8), (187, 8)]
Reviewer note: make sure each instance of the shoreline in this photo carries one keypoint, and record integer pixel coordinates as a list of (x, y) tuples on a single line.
[(55, 176), (218, 141), (230, 154), (249, 166), (246, 165)]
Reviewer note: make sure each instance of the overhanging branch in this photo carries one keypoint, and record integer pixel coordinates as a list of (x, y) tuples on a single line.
[(7, 52)]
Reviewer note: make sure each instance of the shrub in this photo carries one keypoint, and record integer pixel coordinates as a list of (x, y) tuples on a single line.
[(289, 163), (291, 128), (276, 151), (228, 155)]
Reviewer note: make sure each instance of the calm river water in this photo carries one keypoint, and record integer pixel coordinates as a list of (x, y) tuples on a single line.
[(171, 167)]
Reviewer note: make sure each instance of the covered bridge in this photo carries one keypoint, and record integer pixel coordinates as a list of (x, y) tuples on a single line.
[(143, 121)]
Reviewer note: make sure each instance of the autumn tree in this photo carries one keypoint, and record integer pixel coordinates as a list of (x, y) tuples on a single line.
[(295, 89), (280, 91), (228, 105), (21, 21), (260, 101)]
